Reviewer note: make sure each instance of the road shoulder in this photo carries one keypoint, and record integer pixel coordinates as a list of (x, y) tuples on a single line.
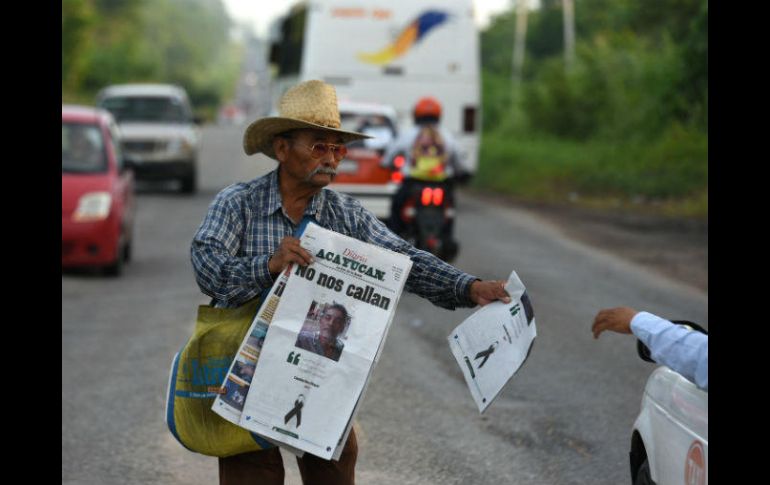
[(676, 248)]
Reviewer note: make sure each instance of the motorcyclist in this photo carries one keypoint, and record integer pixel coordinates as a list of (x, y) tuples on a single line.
[(429, 155)]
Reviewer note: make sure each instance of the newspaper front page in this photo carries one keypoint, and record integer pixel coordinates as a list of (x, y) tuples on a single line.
[(492, 344), (326, 333)]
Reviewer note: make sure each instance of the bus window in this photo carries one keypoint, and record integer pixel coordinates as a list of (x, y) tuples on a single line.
[(469, 119)]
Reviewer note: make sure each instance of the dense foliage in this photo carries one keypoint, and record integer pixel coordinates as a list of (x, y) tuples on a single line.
[(185, 42), (629, 119)]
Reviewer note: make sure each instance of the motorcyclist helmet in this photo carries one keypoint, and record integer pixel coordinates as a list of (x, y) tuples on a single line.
[(427, 108)]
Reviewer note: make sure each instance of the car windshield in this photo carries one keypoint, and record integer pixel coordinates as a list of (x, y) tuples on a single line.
[(153, 109), (82, 148), (379, 127)]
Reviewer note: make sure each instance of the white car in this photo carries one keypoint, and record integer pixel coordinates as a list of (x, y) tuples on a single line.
[(669, 442), (161, 137)]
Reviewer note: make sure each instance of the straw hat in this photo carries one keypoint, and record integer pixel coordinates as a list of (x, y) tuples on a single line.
[(310, 104)]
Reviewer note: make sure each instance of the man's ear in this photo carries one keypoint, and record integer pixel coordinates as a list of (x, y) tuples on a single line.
[(281, 148)]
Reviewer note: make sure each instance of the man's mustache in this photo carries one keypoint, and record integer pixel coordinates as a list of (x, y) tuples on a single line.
[(322, 170)]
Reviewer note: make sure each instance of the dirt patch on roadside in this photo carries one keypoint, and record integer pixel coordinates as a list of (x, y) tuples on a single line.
[(677, 248)]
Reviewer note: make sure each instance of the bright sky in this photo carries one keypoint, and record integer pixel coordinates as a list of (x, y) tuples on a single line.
[(261, 13)]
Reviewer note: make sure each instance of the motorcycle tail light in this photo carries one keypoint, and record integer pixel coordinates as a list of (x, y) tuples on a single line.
[(396, 177), (438, 196), (427, 195)]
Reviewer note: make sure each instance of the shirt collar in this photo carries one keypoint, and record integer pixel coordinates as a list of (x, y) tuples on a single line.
[(316, 203), (274, 202)]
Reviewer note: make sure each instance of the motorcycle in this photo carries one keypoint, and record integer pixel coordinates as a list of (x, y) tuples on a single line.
[(427, 218)]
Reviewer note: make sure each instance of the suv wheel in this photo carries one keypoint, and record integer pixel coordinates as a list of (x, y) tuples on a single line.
[(189, 183)]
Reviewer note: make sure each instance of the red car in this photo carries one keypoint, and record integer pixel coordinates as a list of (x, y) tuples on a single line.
[(97, 192), (359, 174)]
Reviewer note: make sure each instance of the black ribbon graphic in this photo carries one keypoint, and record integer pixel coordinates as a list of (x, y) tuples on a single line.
[(485, 354), (296, 411)]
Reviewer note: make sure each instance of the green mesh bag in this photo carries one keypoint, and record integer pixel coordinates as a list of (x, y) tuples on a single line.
[(197, 372)]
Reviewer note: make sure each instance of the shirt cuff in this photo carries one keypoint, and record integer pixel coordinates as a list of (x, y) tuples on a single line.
[(260, 272), (645, 324), (463, 289)]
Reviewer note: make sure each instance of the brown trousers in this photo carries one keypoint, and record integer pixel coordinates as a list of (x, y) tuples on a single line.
[(265, 467)]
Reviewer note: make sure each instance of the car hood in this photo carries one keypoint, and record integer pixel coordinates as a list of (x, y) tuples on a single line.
[(133, 131), (74, 186)]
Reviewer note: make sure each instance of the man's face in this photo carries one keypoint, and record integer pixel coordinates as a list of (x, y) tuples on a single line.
[(332, 323), (300, 166)]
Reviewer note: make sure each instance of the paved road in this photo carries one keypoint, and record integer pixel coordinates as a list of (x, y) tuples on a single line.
[(564, 419)]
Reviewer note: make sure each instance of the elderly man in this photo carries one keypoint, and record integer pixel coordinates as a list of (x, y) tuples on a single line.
[(246, 240)]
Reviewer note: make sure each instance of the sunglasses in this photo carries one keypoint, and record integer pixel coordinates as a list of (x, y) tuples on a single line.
[(320, 150)]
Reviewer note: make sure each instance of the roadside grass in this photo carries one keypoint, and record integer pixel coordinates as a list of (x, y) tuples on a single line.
[(668, 176)]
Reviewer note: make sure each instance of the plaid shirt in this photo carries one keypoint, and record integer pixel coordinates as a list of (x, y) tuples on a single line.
[(246, 222)]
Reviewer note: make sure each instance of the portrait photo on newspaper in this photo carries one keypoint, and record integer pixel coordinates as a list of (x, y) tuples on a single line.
[(325, 329)]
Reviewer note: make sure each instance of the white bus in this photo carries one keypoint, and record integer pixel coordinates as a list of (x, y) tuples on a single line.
[(391, 52)]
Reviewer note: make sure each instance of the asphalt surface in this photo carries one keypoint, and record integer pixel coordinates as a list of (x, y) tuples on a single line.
[(565, 418)]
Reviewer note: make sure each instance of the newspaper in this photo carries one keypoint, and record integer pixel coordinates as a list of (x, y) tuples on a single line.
[(492, 344), (306, 387)]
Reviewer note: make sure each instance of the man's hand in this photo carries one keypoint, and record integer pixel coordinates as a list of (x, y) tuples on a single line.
[(289, 251), (616, 319), (484, 292)]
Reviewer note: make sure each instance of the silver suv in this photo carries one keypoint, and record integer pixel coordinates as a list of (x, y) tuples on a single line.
[(161, 137)]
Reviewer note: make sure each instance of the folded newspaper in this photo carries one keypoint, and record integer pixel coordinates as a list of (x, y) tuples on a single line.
[(492, 344), (306, 360), (237, 382)]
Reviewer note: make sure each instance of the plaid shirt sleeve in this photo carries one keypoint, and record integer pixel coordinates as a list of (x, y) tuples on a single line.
[(219, 271), (431, 278)]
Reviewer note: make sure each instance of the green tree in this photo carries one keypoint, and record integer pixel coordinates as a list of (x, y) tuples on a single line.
[(77, 23), (628, 121), (185, 42)]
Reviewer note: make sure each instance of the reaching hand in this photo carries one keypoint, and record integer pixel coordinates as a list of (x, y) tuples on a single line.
[(617, 319), (484, 292), (289, 251)]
